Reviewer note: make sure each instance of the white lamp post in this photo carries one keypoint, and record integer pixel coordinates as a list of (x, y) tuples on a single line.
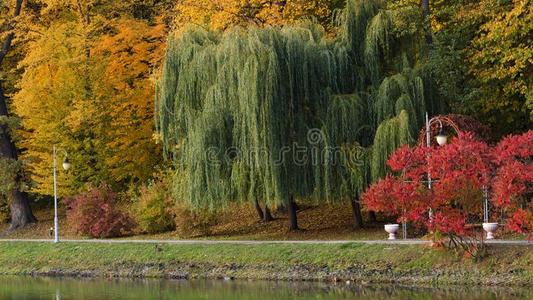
[(66, 167), (441, 139)]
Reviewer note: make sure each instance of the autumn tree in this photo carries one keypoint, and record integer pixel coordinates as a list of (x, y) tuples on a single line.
[(86, 87), (128, 57), (482, 60), (501, 57), (221, 15)]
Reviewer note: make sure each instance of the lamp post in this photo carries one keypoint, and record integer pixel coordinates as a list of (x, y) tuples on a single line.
[(441, 139), (428, 144), (66, 167)]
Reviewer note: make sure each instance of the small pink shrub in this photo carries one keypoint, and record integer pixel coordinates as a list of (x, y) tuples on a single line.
[(95, 213)]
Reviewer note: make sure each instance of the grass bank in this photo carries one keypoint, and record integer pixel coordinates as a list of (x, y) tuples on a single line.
[(322, 262)]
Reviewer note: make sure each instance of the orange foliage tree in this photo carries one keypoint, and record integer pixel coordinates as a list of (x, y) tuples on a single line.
[(86, 87)]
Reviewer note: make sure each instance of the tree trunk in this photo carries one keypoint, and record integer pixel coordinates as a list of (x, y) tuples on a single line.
[(268, 216), (21, 213), (293, 218), (424, 4), (372, 217), (6, 45), (357, 216), (259, 210)]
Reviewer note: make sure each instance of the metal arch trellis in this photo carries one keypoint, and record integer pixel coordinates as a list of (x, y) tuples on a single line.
[(435, 124), (459, 123)]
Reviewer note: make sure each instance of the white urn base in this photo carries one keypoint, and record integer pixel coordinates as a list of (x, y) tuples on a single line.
[(490, 228), (391, 229)]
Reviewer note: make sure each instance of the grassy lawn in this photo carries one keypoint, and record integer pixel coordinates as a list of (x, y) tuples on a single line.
[(378, 263)]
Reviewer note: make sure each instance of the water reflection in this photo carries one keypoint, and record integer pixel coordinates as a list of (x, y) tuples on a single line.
[(53, 288)]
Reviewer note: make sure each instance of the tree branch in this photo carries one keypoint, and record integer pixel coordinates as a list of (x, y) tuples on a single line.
[(6, 45)]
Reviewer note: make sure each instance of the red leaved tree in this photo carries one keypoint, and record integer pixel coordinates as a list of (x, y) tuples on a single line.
[(458, 172), (512, 185)]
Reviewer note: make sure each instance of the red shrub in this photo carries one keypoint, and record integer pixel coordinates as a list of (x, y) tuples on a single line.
[(519, 221), (449, 222), (459, 171), (512, 184), (95, 213)]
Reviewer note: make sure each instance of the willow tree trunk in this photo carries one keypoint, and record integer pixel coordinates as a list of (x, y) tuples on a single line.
[(356, 212), (21, 213), (268, 215), (258, 209), (293, 218)]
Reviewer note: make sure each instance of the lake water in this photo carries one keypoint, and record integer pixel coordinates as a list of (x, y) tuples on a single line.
[(53, 288)]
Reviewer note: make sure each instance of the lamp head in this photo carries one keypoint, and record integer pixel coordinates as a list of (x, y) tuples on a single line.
[(66, 164), (441, 138)]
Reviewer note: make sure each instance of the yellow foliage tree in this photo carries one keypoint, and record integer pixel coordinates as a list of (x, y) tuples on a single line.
[(222, 14), (50, 91), (86, 87), (502, 58)]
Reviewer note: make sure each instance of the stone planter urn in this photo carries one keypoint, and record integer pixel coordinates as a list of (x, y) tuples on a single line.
[(392, 229), (490, 228)]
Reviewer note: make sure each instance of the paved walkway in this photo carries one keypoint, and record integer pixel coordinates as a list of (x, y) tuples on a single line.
[(251, 242)]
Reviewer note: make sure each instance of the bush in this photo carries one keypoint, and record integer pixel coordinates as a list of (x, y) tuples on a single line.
[(95, 213), (155, 207), (191, 222)]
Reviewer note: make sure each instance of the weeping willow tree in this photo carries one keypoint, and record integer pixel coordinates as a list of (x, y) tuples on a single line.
[(384, 108), (280, 114)]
